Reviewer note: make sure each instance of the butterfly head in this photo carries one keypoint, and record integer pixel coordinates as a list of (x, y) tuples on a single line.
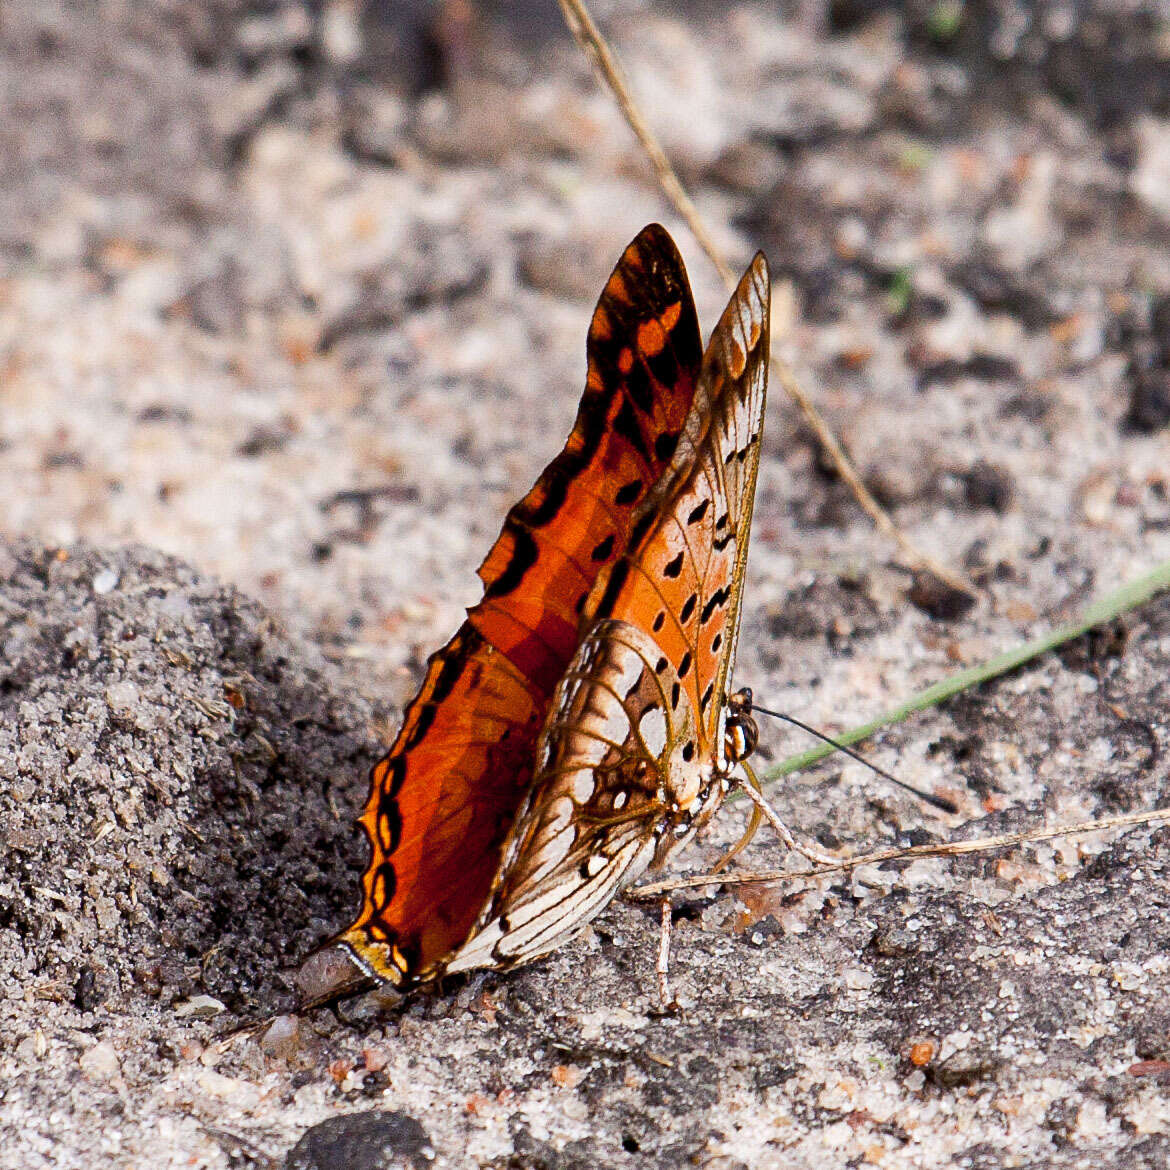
[(740, 733)]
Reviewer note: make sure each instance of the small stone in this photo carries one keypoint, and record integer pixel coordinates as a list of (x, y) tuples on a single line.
[(282, 1037), (988, 486), (922, 1051), (1149, 402), (374, 1140), (122, 696), (85, 991), (938, 599), (105, 582), (199, 1007), (241, 1093), (1097, 494), (100, 1063), (895, 942)]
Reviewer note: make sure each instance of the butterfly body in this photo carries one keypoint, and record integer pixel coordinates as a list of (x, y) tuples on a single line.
[(578, 727)]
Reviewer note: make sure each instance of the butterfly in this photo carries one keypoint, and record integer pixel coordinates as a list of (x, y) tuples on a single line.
[(578, 726)]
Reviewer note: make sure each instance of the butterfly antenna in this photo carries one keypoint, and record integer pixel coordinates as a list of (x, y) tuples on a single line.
[(939, 802)]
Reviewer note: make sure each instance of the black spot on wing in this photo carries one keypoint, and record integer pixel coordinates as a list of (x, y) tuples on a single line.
[(604, 549), (717, 600), (659, 620), (524, 555), (384, 885), (452, 668), (684, 667), (688, 608), (395, 773), (625, 423), (674, 567), (698, 512), (628, 492), (617, 579), (664, 364), (422, 725), (644, 524), (389, 824), (664, 445)]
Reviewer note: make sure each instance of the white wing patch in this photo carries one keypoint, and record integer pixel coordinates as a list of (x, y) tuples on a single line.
[(619, 771), (652, 729)]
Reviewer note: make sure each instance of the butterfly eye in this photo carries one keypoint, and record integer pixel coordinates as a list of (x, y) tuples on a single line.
[(741, 735)]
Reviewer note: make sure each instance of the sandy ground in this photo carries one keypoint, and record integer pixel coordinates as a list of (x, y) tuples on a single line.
[(293, 306)]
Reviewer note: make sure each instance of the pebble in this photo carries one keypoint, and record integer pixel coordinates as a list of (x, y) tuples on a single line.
[(243, 1094), (122, 696), (374, 1140), (282, 1037), (100, 1063), (105, 582), (199, 1007)]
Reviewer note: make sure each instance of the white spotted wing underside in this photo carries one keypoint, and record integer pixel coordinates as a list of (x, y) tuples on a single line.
[(631, 760)]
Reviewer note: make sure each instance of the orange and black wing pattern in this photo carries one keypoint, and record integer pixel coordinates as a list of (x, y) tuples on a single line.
[(444, 798), (684, 580), (631, 759)]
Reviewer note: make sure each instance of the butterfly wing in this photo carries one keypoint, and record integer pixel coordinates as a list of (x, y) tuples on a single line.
[(684, 580), (630, 761), (445, 796), (592, 819)]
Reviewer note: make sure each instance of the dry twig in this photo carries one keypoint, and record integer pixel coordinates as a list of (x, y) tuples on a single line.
[(945, 849), (593, 43)]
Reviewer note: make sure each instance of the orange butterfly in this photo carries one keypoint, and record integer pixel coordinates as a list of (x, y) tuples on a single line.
[(578, 726)]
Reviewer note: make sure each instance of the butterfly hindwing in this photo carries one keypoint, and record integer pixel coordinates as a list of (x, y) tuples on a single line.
[(613, 762)]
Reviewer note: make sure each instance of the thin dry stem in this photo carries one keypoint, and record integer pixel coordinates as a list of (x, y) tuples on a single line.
[(662, 965), (596, 48), (946, 849), (589, 37)]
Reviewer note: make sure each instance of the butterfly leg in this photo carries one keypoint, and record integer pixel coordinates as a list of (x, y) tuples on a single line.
[(753, 793), (662, 967)]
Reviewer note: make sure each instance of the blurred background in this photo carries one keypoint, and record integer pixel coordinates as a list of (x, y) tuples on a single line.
[(299, 290)]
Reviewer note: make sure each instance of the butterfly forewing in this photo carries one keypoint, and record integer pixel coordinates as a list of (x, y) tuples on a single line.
[(683, 579), (643, 357), (631, 757), (445, 796)]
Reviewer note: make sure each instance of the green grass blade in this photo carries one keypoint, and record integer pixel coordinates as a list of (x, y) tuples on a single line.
[(1131, 595)]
